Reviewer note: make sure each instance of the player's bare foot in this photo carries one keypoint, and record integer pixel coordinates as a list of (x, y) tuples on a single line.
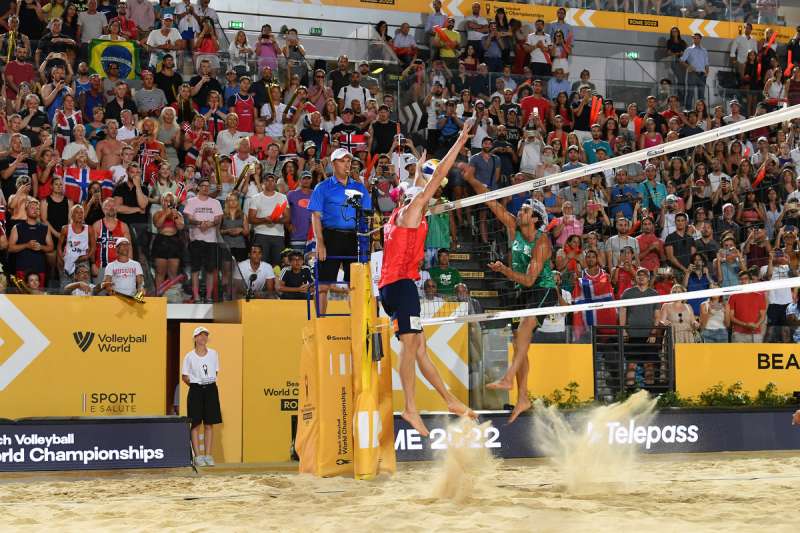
[(416, 422), (501, 384), (458, 408), (523, 404)]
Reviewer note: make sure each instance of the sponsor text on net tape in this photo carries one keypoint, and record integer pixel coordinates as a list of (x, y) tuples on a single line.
[(762, 286), (781, 115)]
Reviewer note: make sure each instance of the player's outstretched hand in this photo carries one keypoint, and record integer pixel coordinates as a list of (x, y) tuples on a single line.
[(468, 125), (496, 266), (796, 418)]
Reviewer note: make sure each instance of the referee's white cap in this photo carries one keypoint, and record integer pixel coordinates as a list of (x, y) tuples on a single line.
[(340, 153), (200, 329)]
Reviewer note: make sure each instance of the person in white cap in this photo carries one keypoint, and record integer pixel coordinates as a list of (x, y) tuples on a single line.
[(165, 40), (199, 371), (124, 275), (333, 219), (403, 252)]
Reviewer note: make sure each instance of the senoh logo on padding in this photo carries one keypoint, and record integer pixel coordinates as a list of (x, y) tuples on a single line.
[(83, 339)]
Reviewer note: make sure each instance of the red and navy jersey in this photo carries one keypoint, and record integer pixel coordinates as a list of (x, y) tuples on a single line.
[(403, 250), (106, 249)]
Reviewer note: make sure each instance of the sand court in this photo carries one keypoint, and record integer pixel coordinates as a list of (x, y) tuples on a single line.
[(699, 492)]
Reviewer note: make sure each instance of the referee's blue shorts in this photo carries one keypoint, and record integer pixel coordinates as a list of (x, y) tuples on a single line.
[(400, 300)]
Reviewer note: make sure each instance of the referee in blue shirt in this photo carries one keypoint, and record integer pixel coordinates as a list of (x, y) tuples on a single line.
[(334, 222)]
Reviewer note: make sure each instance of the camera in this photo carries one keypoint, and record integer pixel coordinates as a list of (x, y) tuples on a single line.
[(353, 198)]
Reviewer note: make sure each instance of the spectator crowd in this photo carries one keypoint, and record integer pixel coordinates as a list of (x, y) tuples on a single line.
[(199, 173)]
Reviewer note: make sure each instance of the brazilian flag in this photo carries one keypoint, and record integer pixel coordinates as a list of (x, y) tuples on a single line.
[(102, 53)]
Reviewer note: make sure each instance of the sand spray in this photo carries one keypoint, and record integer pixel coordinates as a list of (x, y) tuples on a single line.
[(583, 451), (467, 462)]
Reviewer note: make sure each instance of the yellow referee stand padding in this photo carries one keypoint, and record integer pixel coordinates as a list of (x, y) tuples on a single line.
[(346, 424)]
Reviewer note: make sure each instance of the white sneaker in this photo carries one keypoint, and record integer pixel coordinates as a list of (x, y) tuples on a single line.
[(209, 460), (200, 460)]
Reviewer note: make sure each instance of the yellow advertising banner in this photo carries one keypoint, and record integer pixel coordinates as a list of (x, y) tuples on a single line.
[(271, 344), (554, 366), (448, 348), (226, 339), (82, 356), (701, 366), (587, 18)]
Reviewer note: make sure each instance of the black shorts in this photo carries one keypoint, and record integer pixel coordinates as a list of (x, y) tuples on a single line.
[(203, 255), (776, 315), (400, 300), (537, 297), (167, 247), (202, 404), (338, 243)]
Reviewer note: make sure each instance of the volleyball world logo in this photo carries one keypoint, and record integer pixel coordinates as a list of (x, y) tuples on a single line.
[(83, 339)]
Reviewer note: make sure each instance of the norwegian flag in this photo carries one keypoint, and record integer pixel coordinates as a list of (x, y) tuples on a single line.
[(149, 160), (311, 241), (77, 181), (180, 192), (352, 141), (593, 289), (197, 139)]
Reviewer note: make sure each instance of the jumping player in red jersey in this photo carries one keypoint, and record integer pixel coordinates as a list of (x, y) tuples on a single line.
[(403, 250)]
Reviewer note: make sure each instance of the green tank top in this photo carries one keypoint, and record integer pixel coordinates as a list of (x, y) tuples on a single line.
[(521, 252), (438, 231)]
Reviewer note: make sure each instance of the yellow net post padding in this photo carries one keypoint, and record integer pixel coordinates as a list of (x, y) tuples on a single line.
[(346, 424)]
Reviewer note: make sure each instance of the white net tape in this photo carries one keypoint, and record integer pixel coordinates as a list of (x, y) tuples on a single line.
[(750, 124), (762, 286), (767, 119)]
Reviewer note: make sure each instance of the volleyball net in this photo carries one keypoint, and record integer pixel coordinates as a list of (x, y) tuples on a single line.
[(592, 186), (726, 226)]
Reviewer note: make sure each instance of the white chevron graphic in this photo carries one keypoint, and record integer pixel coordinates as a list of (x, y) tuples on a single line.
[(453, 7), (33, 342), (448, 356), (694, 27), (710, 28), (570, 18), (586, 18)]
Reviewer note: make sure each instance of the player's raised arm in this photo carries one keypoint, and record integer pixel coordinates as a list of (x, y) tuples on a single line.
[(442, 169)]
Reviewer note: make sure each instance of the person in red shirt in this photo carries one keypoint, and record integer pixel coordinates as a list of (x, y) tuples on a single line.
[(746, 313), (403, 251), (664, 281), (651, 248), (623, 274), (127, 27), (18, 70), (535, 101)]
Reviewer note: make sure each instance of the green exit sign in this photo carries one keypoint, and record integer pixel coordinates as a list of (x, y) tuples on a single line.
[(235, 25), (632, 55), (315, 31)]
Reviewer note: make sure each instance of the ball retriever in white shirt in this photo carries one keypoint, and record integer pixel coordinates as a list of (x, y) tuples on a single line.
[(199, 371)]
